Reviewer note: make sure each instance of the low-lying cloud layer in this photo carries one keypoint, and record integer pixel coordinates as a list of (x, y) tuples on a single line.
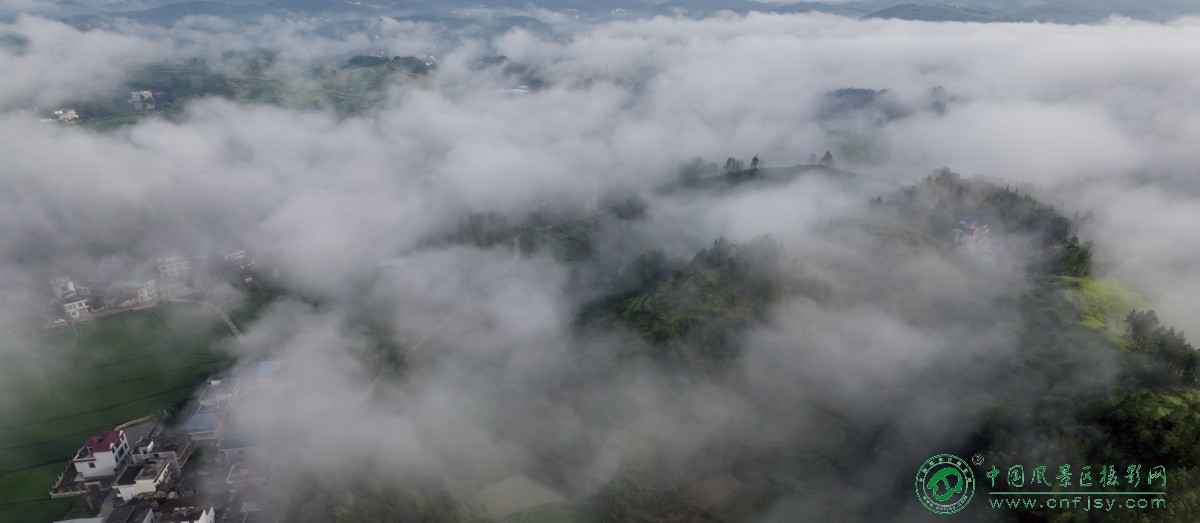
[(1101, 118)]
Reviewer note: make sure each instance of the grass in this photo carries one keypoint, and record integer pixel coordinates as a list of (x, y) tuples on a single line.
[(1102, 303), (56, 390), (104, 123)]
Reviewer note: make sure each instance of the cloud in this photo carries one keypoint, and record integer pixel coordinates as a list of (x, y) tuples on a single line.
[(1101, 118)]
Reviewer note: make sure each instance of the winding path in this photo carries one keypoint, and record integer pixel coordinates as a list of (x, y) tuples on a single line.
[(450, 317), (237, 333)]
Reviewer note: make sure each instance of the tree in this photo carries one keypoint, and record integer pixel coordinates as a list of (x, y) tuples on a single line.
[(812, 158), (755, 164), (1141, 328), (1074, 259), (827, 159), (733, 165)]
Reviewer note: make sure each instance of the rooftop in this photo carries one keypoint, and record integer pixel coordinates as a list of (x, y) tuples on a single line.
[(202, 422), (102, 443), (175, 512), (130, 475), (247, 470), (148, 471), (172, 443), (127, 514), (215, 394), (237, 442), (183, 504), (151, 470)]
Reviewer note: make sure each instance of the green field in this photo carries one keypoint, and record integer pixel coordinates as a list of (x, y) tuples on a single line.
[(105, 123), (56, 390)]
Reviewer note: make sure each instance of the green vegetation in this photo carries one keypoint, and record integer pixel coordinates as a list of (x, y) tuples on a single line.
[(357, 87), (567, 239), (1063, 319), (1081, 375), (698, 308), (1165, 345), (1067, 320), (1103, 304), (105, 123), (58, 390), (409, 64)]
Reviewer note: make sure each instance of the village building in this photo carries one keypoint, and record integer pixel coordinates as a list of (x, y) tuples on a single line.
[(131, 293), (77, 309), (186, 511), (175, 449), (221, 395), (131, 514), (239, 258), (101, 456), (247, 474), (204, 426), (234, 448), (66, 115), (174, 266), (148, 292), (144, 478), (66, 288), (142, 100)]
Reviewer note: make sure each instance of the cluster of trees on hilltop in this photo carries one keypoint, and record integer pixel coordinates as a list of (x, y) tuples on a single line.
[(1078, 394), (1147, 336), (694, 311), (942, 199)]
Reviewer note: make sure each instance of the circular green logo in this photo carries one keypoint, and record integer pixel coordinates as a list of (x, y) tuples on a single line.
[(945, 484)]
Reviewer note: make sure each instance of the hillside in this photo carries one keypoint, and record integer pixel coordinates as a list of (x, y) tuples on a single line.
[(932, 13), (691, 317)]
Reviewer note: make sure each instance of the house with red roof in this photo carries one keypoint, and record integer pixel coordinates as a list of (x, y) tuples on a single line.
[(102, 455)]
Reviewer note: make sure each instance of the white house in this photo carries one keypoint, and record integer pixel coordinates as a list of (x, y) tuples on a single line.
[(102, 455), (148, 292), (185, 511), (77, 308), (145, 478), (66, 115), (174, 266), (142, 100), (173, 449)]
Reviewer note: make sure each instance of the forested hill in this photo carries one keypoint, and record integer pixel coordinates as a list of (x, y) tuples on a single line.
[(980, 326)]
